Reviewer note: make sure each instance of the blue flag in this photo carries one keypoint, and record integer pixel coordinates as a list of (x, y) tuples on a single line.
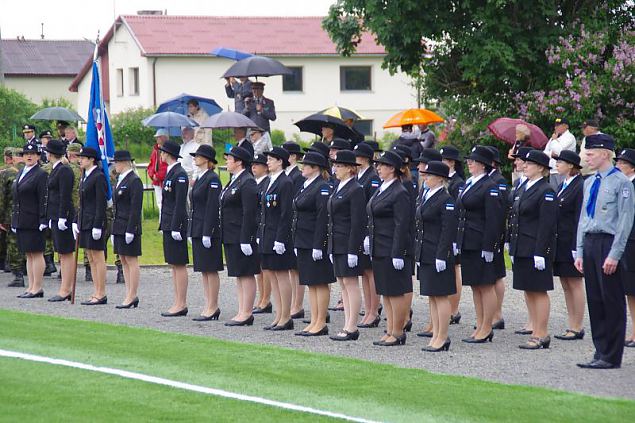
[(98, 135)]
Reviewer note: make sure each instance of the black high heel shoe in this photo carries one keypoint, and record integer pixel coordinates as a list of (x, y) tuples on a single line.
[(100, 301), (372, 324), (286, 326), (499, 324), (444, 347), (39, 294), (247, 322), (208, 318), (182, 312), (379, 310), (425, 334), (571, 335), (455, 318), (134, 303), (262, 310), (535, 343), (59, 298), (298, 315), (321, 332), (408, 326), (350, 336), (480, 341)]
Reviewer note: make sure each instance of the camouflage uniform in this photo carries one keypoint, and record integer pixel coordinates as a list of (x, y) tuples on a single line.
[(8, 151), (110, 216), (16, 261)]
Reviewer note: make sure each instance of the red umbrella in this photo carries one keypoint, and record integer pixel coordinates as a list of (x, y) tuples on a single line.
[(505, 129)]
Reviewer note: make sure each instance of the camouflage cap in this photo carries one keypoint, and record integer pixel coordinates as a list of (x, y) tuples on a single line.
[(8, 151), (73, 148)]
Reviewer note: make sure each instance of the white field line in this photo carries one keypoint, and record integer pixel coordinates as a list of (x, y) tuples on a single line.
[(181, 385)]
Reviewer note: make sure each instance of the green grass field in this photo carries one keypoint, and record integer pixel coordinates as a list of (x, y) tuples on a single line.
[(358, 388)]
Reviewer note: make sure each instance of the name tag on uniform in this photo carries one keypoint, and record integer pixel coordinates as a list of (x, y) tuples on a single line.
[(502, 187), (449, 206), (374, 184), (324, 192), (626, 193), (549, 197), (181, 179), (214, 185), (493, 193)]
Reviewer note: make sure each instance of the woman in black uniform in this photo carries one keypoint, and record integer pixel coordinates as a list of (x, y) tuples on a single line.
[(28, 219), (368, 179), (389, 223), (91, 220), (207, 252), (347, 220), (310, 227), (452, 158), (274, 234), (174, 226), (570, 195), (238, 202), (532, 244), (436, 232), (261, 174), (626, 163), (480, 214), (126, 227), (60, 213)]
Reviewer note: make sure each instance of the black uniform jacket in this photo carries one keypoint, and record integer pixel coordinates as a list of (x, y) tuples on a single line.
[(238, 202), (437, 223), (128, 205), (347, 219), (59, 204), (296, 179), (310, 218), (92, 201), (205, 201), (276, 214), (569, 207), (454, 185), (389, 222), (29, 199), (173, 205), (370, 182), (629, 252), (533, 229), (480, 216)]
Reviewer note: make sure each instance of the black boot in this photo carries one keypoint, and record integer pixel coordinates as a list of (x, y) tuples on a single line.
[(89, 274), (50, 266), (18, 280), (120, 278)]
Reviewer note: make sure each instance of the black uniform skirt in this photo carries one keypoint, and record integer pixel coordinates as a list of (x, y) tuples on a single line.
[(475, 270), (628, 278), (436, 284), (238, 264), (63, 241), (175, 252), (207, 259), (30, 240), (314, 272), (341, 269), (499, 264), (130, 250), (566, 269), (528, 278), (390, 281), (364, 262), (274, 261), (87, 242), (628, 272)]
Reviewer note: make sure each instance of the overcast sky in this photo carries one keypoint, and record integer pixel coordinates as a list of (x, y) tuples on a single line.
[(77, 19)]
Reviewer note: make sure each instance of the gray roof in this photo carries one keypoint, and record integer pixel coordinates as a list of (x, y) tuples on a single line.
[(44, 57)]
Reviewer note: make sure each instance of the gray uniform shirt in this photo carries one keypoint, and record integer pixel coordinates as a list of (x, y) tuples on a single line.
[(614, 210)]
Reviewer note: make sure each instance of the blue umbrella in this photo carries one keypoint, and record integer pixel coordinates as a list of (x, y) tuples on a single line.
[(230, 53), (178, 104), (168, 120)]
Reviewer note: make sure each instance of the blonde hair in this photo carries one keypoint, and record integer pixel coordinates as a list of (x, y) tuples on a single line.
[(523, 129)]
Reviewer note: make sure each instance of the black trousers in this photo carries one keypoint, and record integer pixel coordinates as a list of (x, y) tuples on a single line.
[(605, 296)]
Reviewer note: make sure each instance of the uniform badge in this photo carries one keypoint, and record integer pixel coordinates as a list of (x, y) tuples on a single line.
[(549, 196), (324, 191), (493, 192), (502, 187), (119, 192), (181, 179), (626, 192), (374, 184), (214, 185), (449, 206)]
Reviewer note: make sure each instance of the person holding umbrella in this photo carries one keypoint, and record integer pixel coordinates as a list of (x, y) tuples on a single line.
[(328, 133), (239, 90), (173, 223), (126, 226), (260, 109)]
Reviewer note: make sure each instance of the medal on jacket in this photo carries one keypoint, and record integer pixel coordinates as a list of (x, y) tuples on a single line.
[(274, 199)]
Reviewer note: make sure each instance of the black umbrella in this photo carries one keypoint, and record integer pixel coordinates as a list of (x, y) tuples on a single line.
[(57, 113), (315, 122), (256, 66), (224, 120)]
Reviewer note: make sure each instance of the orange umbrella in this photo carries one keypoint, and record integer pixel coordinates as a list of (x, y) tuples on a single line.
[(413, 117)]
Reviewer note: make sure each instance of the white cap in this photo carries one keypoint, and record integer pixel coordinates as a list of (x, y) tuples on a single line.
[(162, 132)]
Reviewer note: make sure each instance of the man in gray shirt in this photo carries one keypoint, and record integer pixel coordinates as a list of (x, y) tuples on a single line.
[(605, 224)]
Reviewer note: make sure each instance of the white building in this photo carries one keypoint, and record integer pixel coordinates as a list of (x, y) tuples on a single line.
[(147, 59)]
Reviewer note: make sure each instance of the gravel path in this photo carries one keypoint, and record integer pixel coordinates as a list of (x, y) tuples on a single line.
[(500, 361)]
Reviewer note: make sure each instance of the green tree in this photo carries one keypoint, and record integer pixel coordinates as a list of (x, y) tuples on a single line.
[(129, 133), (15, 111)]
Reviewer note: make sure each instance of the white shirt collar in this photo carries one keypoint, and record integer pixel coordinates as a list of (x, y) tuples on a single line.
[(344, 182), (273, 177), (89, 171), (59, 162), (361, 172), (632, 177), (475, 179), (289, 169), (26, 169), (430, 193), (310, 181), (170, 167), (452, 173), (200, 175), (235, 176), (530, 184), (569, 179), (123, 175), (259, 180), (385, 184)]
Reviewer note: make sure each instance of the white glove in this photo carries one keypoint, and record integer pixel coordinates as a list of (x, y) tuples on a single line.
[(317, 255), (75, 230), (512, 259), (331, 258), (295, 251), (112, 240), (574, 254), (539, 263), (61, 224), (507, 247), (207, 242), (246, 249), (177, 236), (189, 239), (96, 233), (257, 241), (440, 264), (50, 224), (42, 227), (397, 263), (488, 256), (14, 230), (352, 260), (278, 247), (455, 249), (129, 237), (367, 246)]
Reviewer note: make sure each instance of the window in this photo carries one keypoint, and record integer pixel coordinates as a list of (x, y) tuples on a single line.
[(292, 82), (365, 127), (134, 81), (355, 78), (119, 82)]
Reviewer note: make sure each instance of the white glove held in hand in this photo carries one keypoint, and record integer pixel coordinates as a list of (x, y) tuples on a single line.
[(96, 234), (42, 227), (61, 224), (440, 265), (75, 230), (317, 255), (397, 263), (539, 263), (129, 237), (352, 260), (246, 249), (488, 256), (177, 236), (207, 242), (455, 249), (278, 247), (367, 246)]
